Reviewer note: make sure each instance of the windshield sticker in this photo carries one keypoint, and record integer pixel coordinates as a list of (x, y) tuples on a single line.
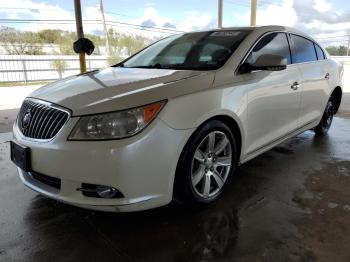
[(226, 33)]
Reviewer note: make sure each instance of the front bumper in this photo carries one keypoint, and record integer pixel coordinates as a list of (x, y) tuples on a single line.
[(141, 167)]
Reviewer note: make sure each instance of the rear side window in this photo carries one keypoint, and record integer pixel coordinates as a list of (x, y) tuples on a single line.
[(319, 52), (273, 44), (304, 50)]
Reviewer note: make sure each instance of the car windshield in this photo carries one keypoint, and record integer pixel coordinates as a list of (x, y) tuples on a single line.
[(190, 51)]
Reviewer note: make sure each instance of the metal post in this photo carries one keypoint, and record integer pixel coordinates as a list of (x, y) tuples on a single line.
[(220, 3), (347, 52), (24, 68), (253, 13), (89, 62), (80, 33), (108, 48)]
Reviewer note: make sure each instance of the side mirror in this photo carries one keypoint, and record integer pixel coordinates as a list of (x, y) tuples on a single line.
[(266, 62)]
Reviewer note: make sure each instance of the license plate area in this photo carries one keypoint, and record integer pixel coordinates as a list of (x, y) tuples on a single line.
[(20, 155)]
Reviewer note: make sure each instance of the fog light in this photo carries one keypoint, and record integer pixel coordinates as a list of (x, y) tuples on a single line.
[(106, 192), (100, 191)]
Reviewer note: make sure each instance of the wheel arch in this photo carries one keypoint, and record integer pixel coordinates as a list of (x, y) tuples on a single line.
[(232, 122), (337, 94), (233, 125)]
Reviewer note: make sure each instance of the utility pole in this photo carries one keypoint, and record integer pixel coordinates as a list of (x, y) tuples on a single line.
[(108, 48), (80, 33), (220, 3), (347, 52), (253, 13)]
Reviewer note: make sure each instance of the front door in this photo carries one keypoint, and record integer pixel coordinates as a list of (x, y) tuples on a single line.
[(274, 97)]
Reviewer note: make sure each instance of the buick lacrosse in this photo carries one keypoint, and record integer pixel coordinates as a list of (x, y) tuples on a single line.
[(173, 121)]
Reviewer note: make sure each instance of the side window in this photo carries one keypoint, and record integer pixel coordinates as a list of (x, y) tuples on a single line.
[(274, 44), (304, 50), (319, 52)]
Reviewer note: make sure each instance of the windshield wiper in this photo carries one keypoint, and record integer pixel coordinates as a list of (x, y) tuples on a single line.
[(158, 66), (118, 65)]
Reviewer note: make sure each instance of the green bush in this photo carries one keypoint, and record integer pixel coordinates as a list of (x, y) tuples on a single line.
[(114, 59)]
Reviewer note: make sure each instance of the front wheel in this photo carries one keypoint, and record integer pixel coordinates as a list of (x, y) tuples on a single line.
[(206, 164), (323, 127)]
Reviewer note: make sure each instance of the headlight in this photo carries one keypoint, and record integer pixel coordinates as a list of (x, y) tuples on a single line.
[(115, 125)]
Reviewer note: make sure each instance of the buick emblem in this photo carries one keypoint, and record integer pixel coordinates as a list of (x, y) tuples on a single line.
[(26, 120)]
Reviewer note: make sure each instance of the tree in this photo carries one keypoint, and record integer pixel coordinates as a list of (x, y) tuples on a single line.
[(133, 43), (50, 36), (97, 42), (20, 43), (60, 66), (114, 59), (337, 50), (66, 43)]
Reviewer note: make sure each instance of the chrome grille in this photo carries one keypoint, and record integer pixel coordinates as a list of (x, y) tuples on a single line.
[(40, 120)]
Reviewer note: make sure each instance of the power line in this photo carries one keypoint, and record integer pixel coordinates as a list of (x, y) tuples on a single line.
[(93, 23), (30, 8), (69, 21), (52, 9), (108, 12), (119, 14), (329, 37)]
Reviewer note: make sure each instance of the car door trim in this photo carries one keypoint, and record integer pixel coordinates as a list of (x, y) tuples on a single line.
[(281, 138)]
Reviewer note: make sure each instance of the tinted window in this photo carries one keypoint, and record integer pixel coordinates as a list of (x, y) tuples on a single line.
[(274, 44), (304, 50), (193, 51), (319, 52)]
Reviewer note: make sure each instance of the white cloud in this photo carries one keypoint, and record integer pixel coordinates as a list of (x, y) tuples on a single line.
[(271, 14), (278, 14), (322, 6), (314, 17), (197, 21), (34, 10)]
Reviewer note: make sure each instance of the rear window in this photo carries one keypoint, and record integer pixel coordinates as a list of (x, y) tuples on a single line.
[(304, 50), (319, 52)]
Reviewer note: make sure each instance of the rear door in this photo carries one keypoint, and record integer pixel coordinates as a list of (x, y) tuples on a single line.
[(310, 59), (273, 103)]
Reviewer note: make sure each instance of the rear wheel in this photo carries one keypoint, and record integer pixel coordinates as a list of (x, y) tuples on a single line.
[(323, 127), (206, 164)]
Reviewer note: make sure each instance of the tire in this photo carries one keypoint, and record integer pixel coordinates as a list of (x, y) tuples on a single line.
[(323, 127), (199, 165)]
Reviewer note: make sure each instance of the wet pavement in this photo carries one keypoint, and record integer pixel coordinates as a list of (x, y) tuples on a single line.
[(289, 204)]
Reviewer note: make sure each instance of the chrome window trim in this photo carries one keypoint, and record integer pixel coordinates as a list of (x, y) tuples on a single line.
[(49, 104)]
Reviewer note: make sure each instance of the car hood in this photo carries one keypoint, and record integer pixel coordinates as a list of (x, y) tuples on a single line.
[(119, 88)]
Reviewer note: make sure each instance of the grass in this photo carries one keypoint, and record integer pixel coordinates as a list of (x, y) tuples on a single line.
[(22, 84)]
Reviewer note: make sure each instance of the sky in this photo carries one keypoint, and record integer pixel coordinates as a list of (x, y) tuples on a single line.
[(327, 21)]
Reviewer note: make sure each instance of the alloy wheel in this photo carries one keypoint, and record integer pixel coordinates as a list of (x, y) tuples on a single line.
[(211, 164), (329, 113)]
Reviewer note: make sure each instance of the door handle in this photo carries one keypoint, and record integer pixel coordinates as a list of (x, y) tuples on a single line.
[(327, 76), (295, 86)]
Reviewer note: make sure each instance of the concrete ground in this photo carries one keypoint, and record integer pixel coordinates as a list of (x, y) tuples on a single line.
[(289, 204)]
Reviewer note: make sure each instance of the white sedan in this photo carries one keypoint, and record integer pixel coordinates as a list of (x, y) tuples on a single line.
[(173, 121)]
